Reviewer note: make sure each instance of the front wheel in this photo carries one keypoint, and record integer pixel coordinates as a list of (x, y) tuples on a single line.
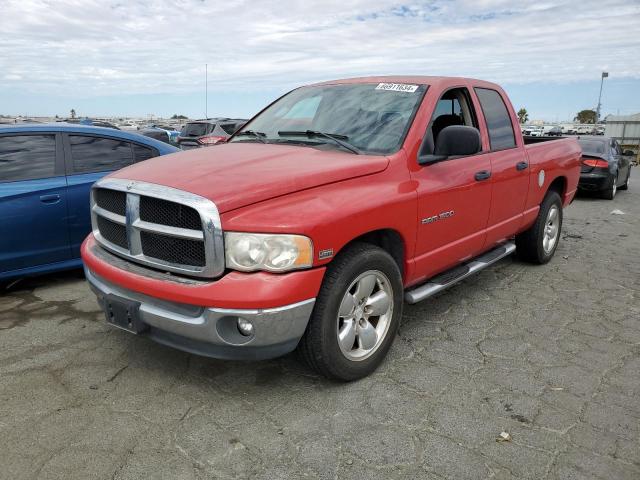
[(539, 243), (356, 315), (626, 183)]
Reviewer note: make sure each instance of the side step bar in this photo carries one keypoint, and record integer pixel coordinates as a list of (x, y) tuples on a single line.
[(453, 276)]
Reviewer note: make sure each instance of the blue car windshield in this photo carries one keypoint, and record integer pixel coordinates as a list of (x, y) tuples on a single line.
[(373, 118)]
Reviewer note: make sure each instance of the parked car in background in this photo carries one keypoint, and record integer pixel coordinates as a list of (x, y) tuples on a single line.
[(551, 131), (533, 131), (164, 133), (604, 167), (128, 125), (318, 219), (90, 121), (584, 130), (202, 133), (46, 173)]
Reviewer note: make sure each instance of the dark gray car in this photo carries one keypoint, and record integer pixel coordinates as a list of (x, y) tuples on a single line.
[(202, 133), (605, 168)]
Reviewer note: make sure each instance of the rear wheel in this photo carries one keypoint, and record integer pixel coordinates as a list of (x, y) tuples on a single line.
[(539, 243), (610, 192), (356, 315)]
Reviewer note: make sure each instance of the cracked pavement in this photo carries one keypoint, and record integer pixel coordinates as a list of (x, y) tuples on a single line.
[(549, 354)]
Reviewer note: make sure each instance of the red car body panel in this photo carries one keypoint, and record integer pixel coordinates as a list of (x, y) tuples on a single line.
[(334, 197)]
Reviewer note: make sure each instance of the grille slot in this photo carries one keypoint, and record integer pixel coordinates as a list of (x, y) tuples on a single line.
[(113, 232), (172, 249), (173, 214), (111, 200)]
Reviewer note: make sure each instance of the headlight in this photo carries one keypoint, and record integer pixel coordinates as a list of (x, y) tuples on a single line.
[(275, 253)]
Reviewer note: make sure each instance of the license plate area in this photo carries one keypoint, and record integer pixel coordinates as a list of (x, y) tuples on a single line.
[(124, 314)]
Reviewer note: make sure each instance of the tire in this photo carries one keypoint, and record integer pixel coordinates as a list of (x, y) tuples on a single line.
[(530, 244), (341, 306), (626, 182), (610, 193)]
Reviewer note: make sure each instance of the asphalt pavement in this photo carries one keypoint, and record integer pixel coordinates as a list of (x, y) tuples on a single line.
[(546, 356)]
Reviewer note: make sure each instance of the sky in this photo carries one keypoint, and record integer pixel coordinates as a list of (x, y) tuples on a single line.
[(147, 57)]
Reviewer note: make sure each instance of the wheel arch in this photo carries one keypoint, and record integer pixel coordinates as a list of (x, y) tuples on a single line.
[(388, 239), (558, 185)]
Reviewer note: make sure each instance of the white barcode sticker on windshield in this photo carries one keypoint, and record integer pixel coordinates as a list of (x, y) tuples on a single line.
[(397, 87)]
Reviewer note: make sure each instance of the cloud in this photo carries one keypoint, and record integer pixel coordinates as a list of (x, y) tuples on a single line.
[(109, 47)]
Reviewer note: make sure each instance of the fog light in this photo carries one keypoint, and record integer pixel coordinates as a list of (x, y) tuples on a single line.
[(245, 327)]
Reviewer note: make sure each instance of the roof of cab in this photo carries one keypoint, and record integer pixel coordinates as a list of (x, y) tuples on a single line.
[(414, 79), (90, 129)]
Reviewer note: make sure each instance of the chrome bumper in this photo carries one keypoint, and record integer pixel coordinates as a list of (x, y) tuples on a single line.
[(213, 332)]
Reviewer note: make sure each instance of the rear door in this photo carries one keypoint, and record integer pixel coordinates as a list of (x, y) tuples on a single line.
[(89, 158), (33, 201), (509, 167)]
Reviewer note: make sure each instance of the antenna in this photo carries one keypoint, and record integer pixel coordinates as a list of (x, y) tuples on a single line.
[(206, 90)]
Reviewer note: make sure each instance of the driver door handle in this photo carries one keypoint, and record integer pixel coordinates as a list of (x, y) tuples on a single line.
[(482, 175), (521, 165), (52, 198)]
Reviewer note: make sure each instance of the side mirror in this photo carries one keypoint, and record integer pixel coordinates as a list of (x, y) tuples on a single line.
[(453, 141)]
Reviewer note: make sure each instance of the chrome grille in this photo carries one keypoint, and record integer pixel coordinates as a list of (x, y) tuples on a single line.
[(158, 226)]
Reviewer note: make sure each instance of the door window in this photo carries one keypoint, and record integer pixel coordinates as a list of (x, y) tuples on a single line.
[(453, 108), (27, 157), (99, 154), (496, 115)]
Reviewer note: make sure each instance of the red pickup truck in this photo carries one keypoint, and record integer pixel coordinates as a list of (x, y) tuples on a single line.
[(313, 224)]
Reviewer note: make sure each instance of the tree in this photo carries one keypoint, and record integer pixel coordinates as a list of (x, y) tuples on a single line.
[(73, 113), (523, 115), (178, 117), (586, 116)]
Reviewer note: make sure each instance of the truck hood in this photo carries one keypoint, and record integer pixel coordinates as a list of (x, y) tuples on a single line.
[(238, 174)]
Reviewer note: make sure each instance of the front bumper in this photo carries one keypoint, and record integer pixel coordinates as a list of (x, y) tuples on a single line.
[(211, 331)]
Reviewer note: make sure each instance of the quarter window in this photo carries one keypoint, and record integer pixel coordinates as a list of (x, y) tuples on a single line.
[(143, 153), (496, 115), (27, 157), (99, 154)]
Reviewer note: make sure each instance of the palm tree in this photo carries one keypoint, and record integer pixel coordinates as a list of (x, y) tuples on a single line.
[(586, 116), (73, 113), (523, 116)]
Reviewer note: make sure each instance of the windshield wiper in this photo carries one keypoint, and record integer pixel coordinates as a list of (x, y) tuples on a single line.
[(338, 139), (252, 133)]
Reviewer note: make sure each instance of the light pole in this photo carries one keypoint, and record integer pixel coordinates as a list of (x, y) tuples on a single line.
[(206, 90), (604, 75)]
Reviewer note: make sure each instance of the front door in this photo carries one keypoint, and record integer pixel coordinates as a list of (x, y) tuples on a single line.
[(454, 195)]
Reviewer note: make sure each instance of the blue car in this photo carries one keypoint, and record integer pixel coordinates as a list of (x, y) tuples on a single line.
[(46, 173)]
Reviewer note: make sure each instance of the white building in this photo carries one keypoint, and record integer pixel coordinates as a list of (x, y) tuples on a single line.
[(624, 128)]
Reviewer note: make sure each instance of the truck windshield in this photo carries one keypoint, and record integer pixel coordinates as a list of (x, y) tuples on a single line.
[(373, 118)]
